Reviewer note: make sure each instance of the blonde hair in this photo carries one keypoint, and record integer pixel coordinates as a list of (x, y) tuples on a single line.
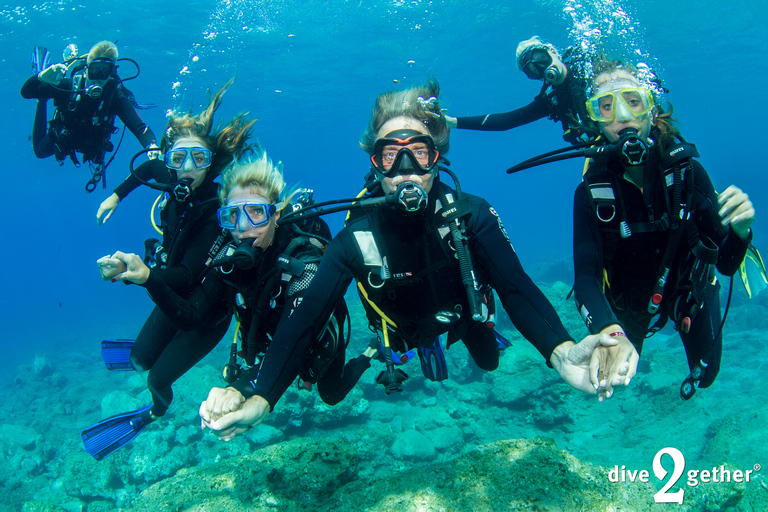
[(103, 50), (258, 172), (408, 103), (226, 143)]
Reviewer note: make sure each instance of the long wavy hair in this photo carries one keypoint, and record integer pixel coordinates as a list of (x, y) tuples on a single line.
[(407, 103), (663, 122), (227, 142)]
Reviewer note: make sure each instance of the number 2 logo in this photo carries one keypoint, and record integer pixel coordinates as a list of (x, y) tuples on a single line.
[(679, 466)]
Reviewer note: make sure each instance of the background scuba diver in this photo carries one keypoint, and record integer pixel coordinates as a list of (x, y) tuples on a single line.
[(561, 97), (194, 157), (87, 94), (624, 221), (421, 285)]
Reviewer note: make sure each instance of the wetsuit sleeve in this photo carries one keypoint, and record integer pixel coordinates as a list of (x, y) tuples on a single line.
[(731, 248), (34, 88), (537, 109), (128, 115), (183, 277), (293, 340), (588, 266), (525, 304), (207, 304), (149, 170)]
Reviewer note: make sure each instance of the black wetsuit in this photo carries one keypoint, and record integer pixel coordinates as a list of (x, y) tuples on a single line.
[(81, 123), (264, 297), (563, 103), (151, 170), (425, 280), (632, 264), (189, 230)]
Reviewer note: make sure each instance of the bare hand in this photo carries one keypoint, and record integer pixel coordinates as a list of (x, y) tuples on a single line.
[(215, 413), (579, 364), (108, 207), (153, 155), (131, 265), (53, 74), (613, 366), (736, 209), (110, 267)]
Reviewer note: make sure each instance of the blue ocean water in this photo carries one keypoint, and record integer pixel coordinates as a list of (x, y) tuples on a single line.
[(310, 72)]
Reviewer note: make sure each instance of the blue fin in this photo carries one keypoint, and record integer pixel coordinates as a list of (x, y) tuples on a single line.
[(40, 58), (116, 354), (397, 358), (111, 434), (504, 343), (752, 272), (433, 359)]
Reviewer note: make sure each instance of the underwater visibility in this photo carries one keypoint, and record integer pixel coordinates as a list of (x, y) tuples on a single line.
[(384, 255)]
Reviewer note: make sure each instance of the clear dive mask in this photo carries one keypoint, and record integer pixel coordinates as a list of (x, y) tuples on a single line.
[(245, 215), (177, 158), (627, 102)]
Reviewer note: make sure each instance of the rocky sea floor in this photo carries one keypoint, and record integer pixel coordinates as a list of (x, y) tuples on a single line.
[(513, 439)]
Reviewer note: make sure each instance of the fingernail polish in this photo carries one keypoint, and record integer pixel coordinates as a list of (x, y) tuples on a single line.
[(114, 280)]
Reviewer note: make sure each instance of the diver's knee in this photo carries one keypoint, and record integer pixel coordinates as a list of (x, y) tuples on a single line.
[(138, 364), (488, 364)]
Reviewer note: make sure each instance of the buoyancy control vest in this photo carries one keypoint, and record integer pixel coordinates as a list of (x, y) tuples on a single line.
[(84, 122), (261, 294), (695, 268), (411, 275)]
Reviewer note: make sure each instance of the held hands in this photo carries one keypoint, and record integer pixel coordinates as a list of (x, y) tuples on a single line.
[(736, 209), (108, 207), (53, 74), (596, 364), (123, 267), (227, 413)]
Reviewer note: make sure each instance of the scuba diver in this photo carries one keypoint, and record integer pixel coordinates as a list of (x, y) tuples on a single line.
[(87, 95), (411, 246), (649, 228), (561, 98), (261, 273), (193, 157)]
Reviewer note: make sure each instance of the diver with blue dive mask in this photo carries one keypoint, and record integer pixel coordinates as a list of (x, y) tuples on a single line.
[(194, 154)]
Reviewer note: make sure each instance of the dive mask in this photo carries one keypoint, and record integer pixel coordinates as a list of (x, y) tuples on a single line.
[(176, 158), (404, 152), (245, 215), (100, 69), (628, 101), (537, 64)]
